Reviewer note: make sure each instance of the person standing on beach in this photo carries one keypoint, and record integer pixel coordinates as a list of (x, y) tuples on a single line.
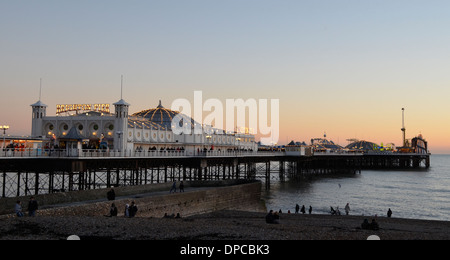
[(32, 207), (132, 210), (303, 210), (181, 186), (389, 213), (347, 209), (310, 209), (297, 208), (111, 194), (127, 211)]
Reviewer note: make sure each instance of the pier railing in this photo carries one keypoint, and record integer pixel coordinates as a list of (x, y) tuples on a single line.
[(92, 153), (96, 153)]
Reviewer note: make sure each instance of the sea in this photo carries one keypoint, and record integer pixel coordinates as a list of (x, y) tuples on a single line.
[(414, 194)]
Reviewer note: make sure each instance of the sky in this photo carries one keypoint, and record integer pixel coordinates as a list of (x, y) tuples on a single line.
[(344, 67)]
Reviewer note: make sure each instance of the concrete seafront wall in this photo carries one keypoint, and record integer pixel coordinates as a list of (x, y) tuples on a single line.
[(199, 198)]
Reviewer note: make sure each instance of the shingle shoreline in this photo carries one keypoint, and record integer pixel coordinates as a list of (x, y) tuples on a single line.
[(221, 225)]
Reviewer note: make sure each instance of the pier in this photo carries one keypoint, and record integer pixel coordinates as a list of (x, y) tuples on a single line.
[(26, 173)]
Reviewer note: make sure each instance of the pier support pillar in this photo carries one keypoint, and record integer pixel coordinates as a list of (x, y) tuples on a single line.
[(267, 175)]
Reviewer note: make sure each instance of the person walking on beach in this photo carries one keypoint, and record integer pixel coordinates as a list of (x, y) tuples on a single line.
[(310, 209), (303, 210), (297, 208), (32, 207), (174, 187), (347, 209)]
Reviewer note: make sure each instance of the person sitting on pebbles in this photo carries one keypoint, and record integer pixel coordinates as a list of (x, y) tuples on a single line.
[(273, 218)]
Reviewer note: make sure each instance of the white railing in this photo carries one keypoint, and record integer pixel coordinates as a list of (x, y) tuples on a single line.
[(88, 153)]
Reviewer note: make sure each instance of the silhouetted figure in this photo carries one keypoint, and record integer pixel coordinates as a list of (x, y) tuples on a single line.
[(365, 225), (132, 210), (272, 218), (332, 211), (111, 195), (347, 209), (370, 226), (112, 211), (174, 187), (374, 225), (181, 186), (32, 207), (389, 213)]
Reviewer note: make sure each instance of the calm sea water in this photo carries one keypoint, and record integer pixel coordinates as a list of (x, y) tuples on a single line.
[(421, 194)]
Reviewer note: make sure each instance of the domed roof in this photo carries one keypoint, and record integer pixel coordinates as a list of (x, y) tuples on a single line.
[(163, 117), (362, 146)]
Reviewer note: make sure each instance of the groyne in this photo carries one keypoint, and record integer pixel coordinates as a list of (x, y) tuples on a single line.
[(152, 200)]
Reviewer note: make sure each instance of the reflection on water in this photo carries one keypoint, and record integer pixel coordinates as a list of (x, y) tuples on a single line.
[(410, 194)]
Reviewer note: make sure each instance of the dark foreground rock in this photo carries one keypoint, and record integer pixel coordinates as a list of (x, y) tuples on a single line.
[(222, 225)]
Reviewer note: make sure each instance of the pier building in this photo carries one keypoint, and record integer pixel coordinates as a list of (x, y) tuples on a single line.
[(93, 126)]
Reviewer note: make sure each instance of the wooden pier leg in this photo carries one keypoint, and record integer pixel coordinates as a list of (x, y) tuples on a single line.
[(157, 175), (70, 181), (108, 178), (63, 185), (200, 173), (80, 181), (18, 184), (50, 182), (117, 177), (4, 185), (26, 183), (151, 176), (146, 175), (282, 171), (36, 184), (165, 174)]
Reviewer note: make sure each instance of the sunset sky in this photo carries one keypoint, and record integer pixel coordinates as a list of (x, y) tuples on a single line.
[(344, 67)]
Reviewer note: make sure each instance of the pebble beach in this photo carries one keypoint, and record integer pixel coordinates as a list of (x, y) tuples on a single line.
[(221, 225)]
